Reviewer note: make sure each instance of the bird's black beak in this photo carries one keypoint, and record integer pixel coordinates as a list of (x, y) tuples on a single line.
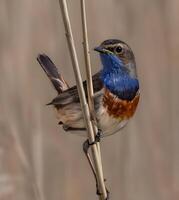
[(100, 49)]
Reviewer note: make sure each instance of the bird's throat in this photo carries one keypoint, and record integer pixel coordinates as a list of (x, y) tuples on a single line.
[(117, 78), (120, 84)]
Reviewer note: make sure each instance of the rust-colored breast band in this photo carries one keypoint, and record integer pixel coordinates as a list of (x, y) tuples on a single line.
[(119, 108)]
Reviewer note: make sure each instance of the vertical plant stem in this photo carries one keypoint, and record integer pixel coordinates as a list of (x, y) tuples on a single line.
[(84, 105), (87, 57), (25, 163), (89, 74)]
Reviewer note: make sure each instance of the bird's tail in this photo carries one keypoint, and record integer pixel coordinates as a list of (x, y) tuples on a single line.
[(52, 72)]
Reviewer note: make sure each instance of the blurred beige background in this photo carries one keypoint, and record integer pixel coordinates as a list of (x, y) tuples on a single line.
[(140, 163)]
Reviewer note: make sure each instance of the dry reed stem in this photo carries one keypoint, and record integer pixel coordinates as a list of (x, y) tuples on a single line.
[(89, 74), (26, 164), (84, 105)]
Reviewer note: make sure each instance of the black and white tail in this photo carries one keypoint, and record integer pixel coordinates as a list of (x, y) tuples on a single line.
[(52, 72)]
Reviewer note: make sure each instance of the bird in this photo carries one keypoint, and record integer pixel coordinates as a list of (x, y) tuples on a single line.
[(116, 90), (116, 94)]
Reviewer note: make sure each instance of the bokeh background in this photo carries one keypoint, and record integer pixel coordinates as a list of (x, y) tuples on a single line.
[(38, 160)]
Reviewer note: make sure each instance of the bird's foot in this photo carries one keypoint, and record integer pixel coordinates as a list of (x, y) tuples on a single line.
[(87, 144)]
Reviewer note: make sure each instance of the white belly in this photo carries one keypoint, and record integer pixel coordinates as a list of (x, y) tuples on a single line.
[(108, 124), (74, 118)]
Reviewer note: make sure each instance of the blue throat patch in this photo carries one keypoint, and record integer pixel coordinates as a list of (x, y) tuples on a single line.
[(116, 77)]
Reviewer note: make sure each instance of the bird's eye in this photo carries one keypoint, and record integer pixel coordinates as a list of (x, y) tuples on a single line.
[(118, 49)]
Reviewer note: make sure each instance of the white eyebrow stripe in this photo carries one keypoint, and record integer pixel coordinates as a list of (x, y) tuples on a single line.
[(113, 45)]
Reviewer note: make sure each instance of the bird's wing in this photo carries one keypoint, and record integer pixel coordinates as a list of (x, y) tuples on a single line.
[(71, 94), (52, 72)]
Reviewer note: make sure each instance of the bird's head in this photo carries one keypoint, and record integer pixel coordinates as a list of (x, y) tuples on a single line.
[(116, 54), (119, 69)]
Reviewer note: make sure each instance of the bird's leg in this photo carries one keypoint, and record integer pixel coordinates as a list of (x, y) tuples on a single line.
[(86, 146)]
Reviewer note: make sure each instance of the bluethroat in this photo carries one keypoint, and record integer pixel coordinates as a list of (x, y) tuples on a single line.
[(116, 91)]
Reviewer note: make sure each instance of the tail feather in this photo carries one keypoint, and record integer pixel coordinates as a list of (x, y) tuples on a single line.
[(52, 72)]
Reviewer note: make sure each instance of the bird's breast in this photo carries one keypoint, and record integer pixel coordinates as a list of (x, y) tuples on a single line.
[(118, 108)]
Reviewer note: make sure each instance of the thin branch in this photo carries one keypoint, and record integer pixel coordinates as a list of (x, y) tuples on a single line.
[(89, 74), (87, 58), (84, 105), (25, 163)]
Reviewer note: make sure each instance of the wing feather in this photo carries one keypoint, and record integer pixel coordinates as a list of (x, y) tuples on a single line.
[(71, 95)]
